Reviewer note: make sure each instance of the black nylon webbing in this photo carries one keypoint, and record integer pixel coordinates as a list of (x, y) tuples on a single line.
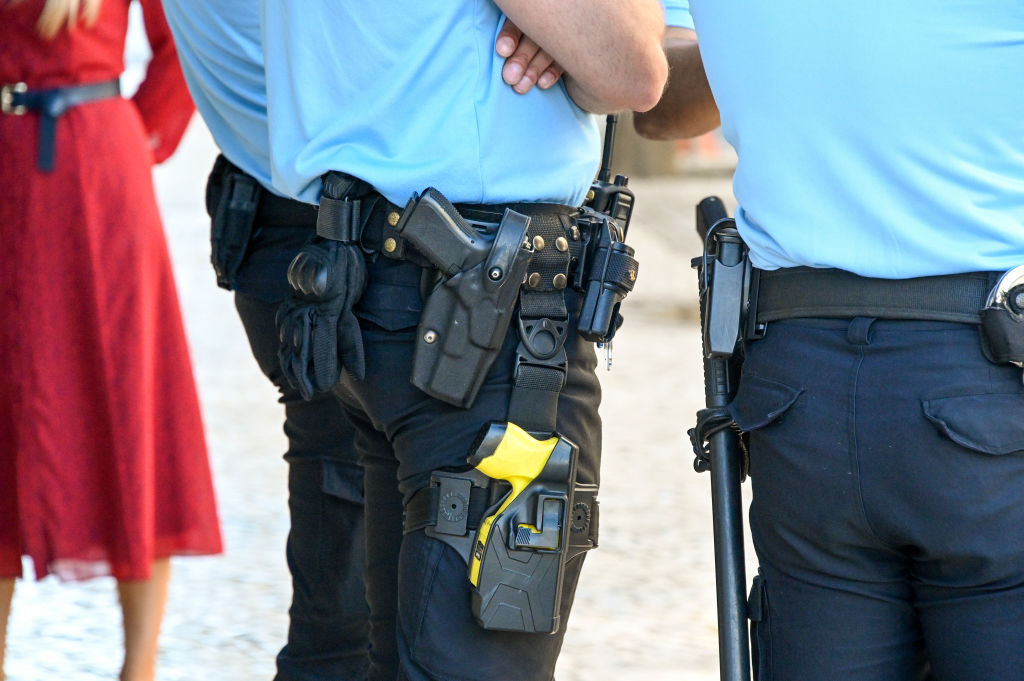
[(421, 511), (339, 219), (539, 379)]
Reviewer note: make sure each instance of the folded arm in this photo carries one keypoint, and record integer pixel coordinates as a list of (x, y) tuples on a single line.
[(687, 108), (610, 49)]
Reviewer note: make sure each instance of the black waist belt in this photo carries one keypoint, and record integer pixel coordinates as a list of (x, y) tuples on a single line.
[(278, 211), (812, 292), (548, 220), (271, 210), (51, 103)]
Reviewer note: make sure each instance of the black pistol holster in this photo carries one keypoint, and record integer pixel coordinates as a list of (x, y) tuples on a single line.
[(467, 314)]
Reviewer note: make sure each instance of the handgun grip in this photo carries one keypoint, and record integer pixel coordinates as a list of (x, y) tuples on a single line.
[(432, 225)]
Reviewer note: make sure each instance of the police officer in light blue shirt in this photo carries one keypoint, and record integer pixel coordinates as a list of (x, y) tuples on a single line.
[(255, 234), (368, 106), (220, 49), (880, 183), (223, 62)]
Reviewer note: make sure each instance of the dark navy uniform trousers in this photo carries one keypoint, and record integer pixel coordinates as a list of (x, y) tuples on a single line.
[(329, 621), (887, 464), (420, 620), (403, 435)]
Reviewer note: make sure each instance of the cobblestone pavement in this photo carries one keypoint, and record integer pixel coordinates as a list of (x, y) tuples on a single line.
[(645, 608)]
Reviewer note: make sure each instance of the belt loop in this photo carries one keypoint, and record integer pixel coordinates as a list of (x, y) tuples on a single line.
[(859, 331)]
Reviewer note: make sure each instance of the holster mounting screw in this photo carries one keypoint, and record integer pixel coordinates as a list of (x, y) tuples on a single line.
[(430, 337), (495, 274)]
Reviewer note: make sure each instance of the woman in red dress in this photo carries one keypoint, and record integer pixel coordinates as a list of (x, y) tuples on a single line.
[(103, 462)]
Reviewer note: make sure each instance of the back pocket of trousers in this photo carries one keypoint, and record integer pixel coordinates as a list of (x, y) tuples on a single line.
[(991, 424)]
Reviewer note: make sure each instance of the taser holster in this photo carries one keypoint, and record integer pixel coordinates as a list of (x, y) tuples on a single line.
[(536, 519)]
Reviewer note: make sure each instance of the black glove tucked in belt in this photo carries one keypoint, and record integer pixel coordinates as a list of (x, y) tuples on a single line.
[(319, 333)]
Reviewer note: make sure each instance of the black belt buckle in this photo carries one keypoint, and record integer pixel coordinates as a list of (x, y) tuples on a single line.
[(7, 99)]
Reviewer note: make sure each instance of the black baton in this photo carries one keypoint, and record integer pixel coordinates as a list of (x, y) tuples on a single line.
[(723, 271)]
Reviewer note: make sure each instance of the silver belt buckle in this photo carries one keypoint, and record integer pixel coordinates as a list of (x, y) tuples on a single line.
[(7, 93)]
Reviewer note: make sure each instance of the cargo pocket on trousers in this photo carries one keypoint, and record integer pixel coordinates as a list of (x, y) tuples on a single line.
[(760, 630), (343, 480), (991, 424), (760, 401)]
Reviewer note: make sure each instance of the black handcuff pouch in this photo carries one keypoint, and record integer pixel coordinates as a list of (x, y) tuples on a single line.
[(232, 202)]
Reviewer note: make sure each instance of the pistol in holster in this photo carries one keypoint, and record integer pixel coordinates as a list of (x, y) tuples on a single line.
[(466, 316), (536, 519)]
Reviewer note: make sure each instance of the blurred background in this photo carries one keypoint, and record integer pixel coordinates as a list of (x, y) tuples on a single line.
[(645, 608)]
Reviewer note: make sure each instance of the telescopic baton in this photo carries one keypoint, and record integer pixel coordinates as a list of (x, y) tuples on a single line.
[(723, 272)]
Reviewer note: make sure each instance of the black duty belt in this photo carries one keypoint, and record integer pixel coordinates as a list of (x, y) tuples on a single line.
[(271, 210), (543, 318), (548, 222), (813, 292), (51, 103)]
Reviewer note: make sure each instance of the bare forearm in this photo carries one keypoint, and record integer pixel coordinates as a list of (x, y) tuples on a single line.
[(687, 108), (610, 49)]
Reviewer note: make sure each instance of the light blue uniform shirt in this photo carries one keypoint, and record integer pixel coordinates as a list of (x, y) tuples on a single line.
[(218, 44), (885, 138), (677, 13), (408, 94)]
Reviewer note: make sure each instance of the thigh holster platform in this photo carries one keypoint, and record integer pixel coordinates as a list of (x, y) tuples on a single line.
[(516, 518)]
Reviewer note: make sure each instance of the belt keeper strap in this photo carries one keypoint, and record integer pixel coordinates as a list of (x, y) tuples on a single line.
[(809, 292), (339, 219)]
